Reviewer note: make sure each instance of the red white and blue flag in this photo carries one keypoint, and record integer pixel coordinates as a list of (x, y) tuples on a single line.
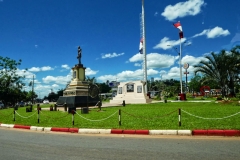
[(141, 46), (178, 25)]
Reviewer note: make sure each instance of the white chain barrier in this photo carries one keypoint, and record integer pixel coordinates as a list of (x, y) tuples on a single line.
[(210, 118), (96, 120), (23, 116)]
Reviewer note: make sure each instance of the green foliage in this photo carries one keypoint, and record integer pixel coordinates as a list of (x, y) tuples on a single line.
[(104, 88), (221, 68), (10, 82)]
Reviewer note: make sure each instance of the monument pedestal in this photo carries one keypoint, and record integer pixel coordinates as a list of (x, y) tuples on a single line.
[(77, 92), (131, 92)]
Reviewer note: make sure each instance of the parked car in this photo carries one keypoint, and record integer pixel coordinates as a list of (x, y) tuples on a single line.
[(45, 101), (1, 105)]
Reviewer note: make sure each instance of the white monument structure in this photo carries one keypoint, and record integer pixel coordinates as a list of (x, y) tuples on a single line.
[(131, 92), (135, 91)]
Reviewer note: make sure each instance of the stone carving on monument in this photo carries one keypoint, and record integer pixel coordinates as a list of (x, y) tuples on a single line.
[(79, 93), (131, 92)]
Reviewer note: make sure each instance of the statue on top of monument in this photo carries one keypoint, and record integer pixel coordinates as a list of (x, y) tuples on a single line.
[(79, 55)]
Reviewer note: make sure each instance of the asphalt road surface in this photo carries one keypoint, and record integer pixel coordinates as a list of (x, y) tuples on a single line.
[(31, 145)]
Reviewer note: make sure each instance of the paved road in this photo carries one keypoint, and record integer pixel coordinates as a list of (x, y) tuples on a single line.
[(28, 145)]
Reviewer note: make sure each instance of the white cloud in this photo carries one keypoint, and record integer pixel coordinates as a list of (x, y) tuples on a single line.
[(58, 79), (165, 43), (46, 68), (44, 90), (104, 78), (154, 60), (138, 64), (123, 76), (34, 69), (109, 55), (136, 57), (127, 75), (37, 69), (182, 9), (213, 33), (90, 72), (161, 61), (27, 74), (174, 72), (151, 72), (55, 85), (191, 60), (65, 66)]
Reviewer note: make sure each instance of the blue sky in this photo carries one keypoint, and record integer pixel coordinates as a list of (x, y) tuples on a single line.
[(45, 34)]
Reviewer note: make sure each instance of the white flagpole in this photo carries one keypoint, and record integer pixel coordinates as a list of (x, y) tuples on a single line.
[(180, 64), (144, 49)]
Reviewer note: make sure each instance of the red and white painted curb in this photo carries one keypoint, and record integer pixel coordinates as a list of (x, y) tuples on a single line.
[(123, 131)]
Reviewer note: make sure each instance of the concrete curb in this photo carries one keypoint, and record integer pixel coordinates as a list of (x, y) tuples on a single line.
[(94, 131), (128, 131), (216, 132), (35, 128), (185, 132), (7, 125)]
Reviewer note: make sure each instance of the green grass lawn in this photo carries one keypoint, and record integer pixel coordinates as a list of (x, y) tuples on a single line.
[(135, 116)]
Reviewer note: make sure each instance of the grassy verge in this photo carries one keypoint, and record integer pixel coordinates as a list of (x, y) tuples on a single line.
[(139, 116)]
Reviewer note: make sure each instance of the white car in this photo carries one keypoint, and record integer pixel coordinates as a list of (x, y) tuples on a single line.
[(45, 101), (1, 105)]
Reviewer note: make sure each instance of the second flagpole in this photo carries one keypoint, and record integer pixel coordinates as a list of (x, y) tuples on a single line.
[(180, 64)]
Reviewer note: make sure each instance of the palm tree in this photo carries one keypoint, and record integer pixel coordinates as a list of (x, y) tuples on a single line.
[(233, 63), (223, 68), (214, 68)]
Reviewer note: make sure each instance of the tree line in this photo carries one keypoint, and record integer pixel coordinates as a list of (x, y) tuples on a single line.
[(218, 70)]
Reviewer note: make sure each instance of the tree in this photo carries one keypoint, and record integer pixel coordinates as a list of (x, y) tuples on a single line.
[(104, 88), (52, 97), (60, 92), (233, 63), (195, 83), (214, 69), (221, 68), (10, 82)]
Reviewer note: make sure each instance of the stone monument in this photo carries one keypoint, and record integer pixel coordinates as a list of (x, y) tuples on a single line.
[(131, 93), (79, 93)]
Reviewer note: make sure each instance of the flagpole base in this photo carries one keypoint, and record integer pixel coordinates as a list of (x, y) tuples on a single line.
[(182, 96)]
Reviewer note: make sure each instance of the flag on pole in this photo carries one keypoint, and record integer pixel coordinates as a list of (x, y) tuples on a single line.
[(178, 25), (141, 46)]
